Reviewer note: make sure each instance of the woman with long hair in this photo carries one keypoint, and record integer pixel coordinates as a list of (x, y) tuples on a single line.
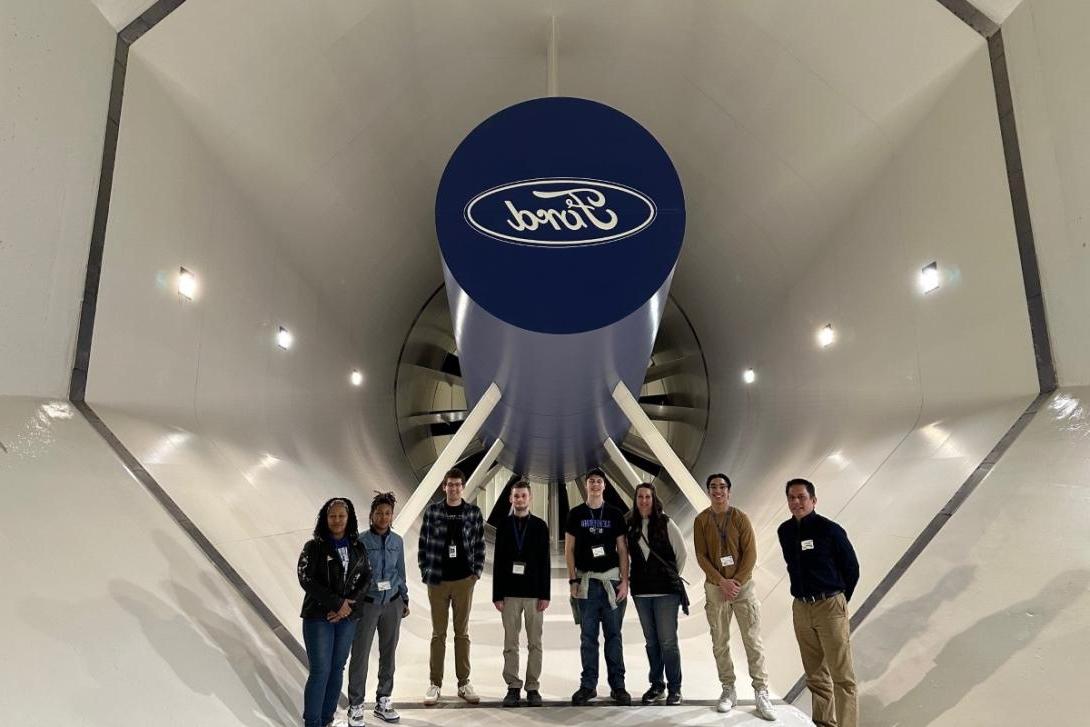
[(334, 572), (657, 550), (384, 605)]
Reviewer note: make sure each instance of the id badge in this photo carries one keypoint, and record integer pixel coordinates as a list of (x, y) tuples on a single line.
[(808, 545), (519, 569), (452, 551), (726, 560), (598, 551), (384, 585)]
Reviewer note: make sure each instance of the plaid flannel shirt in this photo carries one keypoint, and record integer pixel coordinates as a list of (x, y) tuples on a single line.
[(433, 541)]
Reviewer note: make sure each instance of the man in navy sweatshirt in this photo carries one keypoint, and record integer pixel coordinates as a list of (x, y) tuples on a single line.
[(521, 592), (824, 572)]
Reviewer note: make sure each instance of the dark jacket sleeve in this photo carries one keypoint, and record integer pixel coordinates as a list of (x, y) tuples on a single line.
[(500, 564), (311, 571), (477, 564), (846, 562), (545, 585), (363, 575), (422, 542)]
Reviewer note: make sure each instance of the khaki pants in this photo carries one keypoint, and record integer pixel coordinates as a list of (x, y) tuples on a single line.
[(515, 612), (457, 596), (822, 630), (747, 609)]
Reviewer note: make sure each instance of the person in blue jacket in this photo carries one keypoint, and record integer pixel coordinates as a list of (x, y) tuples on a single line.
[(383, 607), (334, 572)]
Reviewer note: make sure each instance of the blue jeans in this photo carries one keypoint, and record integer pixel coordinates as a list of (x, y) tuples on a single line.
[(594, 610), (658, 617), (327, 650)]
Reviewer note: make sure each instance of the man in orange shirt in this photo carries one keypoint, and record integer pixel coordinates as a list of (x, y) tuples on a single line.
[(727, 552)]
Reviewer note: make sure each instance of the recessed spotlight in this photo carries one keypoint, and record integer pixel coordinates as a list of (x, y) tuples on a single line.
[(929, 277), (826, 335), (284, 339), (749, 376), (187, 284), (356, 378)]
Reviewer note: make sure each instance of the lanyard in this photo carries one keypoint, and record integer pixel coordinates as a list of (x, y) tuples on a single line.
[(723, 530), (520, 537)]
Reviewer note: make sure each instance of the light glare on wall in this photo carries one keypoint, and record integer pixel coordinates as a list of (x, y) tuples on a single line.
[(749, 376), (929, 278), (284, 339), (187, 284), (826, 335), (356, 378)]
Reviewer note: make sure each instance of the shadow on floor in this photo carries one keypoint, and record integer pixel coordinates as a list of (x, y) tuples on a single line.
[(972, 656)]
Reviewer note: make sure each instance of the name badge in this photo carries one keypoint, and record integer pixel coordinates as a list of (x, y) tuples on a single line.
[(726, 560), (598, 551), (452, 551), (519, 569), (384, 585), (808, 545)]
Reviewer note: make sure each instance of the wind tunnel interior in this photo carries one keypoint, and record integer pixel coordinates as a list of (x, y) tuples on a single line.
[(288, 156)]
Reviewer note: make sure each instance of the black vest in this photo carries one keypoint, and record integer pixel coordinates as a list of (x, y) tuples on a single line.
[(651, 575)]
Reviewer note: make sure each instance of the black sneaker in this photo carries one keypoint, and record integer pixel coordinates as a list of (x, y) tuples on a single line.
[(583, 696), (673, 699), (512, 698), (533, 698), (653, 695), (621, 697)]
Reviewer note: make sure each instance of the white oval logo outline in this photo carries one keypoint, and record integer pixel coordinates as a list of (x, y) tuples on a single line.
[(652, 207)]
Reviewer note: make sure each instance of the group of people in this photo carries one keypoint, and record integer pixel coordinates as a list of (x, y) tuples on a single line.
[(355, 587)]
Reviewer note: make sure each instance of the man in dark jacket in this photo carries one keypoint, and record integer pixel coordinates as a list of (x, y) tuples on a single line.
[(521, 592), (451, 558), (824, 572)]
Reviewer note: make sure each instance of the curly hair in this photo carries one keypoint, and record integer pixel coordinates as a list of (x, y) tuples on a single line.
[(321, 528)]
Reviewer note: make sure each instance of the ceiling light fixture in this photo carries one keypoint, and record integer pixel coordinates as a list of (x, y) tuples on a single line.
[(356, 378), (826, 335), (929, 278), (284, 339), (749, 376), (187, 284)]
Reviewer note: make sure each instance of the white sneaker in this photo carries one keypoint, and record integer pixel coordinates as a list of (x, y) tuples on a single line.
[(726, 700), (764, 705), (385, 711), (432, 695), (466, 692), (355, 715)]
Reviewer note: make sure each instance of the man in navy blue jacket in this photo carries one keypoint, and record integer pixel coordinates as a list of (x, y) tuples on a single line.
[(824, 572)]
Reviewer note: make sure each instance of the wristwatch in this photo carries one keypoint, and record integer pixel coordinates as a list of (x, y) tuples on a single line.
[(574, 580)]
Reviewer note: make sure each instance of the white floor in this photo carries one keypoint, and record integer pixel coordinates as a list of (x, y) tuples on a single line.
[(575, 716)]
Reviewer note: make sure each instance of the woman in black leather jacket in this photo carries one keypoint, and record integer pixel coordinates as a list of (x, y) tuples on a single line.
[(334, 572)]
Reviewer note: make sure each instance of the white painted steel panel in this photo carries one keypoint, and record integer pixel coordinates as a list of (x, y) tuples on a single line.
[(54, 87), (110, 612)]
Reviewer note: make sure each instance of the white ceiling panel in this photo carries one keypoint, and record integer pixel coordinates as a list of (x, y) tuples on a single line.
[(337, 118)]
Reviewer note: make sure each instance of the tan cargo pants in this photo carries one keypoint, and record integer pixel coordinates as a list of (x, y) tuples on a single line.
[(822, 629), (515, 612), (458, 597), (747, 609)]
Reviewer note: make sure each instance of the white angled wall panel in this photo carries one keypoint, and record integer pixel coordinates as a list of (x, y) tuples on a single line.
[(890, 419), (54, 87)]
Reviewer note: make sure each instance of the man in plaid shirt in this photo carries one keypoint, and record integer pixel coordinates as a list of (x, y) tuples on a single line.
[(451, 558)]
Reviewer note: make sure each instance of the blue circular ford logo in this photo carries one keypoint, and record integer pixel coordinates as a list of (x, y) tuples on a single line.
[(560, 212), (560, 215)]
